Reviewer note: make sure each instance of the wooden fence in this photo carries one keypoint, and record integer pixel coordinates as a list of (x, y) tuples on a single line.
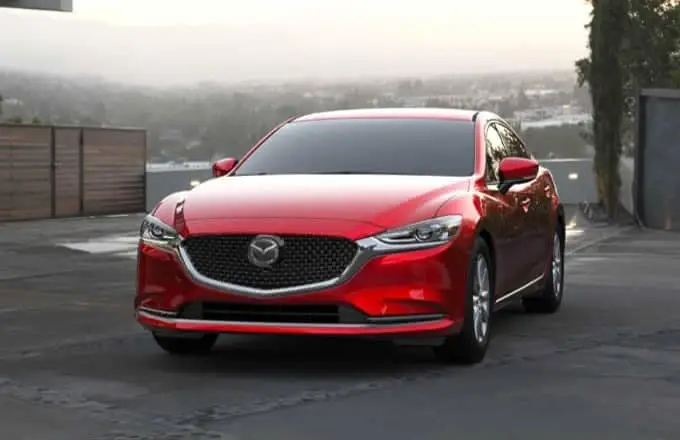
[(59, 171)]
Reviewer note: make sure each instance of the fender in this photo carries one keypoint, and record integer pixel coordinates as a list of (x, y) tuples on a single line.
[(481, 230)]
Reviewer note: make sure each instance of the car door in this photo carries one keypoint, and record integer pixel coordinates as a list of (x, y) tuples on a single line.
[(531, 199), (504, 211)]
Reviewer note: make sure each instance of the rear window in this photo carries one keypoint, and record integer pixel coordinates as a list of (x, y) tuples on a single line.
[(425, 147)]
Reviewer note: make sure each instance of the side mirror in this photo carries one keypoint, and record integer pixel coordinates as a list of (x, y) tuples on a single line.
[(223, 166), (515, 170)]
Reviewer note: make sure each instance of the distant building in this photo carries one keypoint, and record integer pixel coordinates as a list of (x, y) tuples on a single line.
[(12, 102), (43, 5), (540, 92), (571, 119)]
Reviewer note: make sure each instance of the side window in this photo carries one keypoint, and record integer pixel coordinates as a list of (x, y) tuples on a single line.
[(513, 143), (495, 152)]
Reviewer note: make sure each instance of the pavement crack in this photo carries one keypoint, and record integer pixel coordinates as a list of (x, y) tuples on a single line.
[(71, 346), (130, 423)]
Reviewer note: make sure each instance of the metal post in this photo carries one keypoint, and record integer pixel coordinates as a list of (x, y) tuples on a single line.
[(53, 171), (81, 170), (144, 176), (638, 157)]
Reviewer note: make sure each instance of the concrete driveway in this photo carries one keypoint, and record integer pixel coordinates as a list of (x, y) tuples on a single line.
[(74, 365)]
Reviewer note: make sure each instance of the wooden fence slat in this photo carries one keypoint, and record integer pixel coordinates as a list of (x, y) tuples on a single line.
[(62, 171)]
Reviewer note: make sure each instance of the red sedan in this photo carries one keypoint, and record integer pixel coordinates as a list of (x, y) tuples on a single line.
[(409, 224)]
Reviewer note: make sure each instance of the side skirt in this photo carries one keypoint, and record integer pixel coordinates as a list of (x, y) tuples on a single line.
[(524, 290)]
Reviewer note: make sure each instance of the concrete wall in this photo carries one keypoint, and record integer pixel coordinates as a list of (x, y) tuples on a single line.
[(574, 178), (161, 183)]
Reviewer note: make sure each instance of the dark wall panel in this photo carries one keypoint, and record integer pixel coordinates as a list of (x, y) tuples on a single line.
[(658, 160)]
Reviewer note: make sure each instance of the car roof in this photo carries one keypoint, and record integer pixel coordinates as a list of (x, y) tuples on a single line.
[(405, 113)]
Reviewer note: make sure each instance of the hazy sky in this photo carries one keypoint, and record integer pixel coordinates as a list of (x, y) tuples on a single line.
[(168, 41)]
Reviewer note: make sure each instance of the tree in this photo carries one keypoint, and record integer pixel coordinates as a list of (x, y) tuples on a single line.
[(652, 41), (650, 53), (436, 103), (15, 120), (523, 102), (645, 34), (505, 109), (606, 79)]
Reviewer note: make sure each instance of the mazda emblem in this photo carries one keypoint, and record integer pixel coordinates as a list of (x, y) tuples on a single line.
[(264, 250)]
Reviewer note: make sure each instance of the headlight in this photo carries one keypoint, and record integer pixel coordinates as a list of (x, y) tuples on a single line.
[(422, 234), (157, 234)]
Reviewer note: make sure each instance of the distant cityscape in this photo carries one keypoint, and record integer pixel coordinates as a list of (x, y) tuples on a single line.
[(197, 124)]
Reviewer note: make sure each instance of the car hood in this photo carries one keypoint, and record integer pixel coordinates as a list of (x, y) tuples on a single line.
[(382, 200)]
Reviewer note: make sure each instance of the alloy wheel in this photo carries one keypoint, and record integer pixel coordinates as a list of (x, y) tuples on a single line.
[(481, 304), (557, 265)]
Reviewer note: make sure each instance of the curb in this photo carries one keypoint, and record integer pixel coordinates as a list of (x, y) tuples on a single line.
[(599, 240)]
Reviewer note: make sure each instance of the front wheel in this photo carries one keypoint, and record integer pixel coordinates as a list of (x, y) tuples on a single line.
[(470, 345), (550, 297), (186, 346)]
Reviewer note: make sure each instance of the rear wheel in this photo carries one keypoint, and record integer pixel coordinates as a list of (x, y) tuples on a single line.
[(550, 298), (470, 345), (187, 345)]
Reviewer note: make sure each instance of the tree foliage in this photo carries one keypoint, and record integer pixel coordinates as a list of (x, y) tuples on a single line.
[(650, 49), (633, 44), (15, 120)]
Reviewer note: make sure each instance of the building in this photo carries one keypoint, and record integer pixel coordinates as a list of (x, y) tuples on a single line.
[(43, 5)]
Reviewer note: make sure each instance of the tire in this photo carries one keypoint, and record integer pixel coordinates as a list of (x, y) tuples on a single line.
[(470, 345), (186, 346), (550, 298)]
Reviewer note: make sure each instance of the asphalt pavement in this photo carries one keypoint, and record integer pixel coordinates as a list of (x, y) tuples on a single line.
[(74, 365)]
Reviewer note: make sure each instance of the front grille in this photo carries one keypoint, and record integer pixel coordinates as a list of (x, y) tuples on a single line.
[(275, 313), (303, 259)]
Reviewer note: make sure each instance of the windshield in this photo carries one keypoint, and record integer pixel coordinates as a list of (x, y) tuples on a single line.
[(426, 147)]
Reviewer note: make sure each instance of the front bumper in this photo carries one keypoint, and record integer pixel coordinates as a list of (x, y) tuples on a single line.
[(406, 293), (424, 324)]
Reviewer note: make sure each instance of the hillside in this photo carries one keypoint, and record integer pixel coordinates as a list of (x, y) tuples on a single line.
[(210, 120)]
